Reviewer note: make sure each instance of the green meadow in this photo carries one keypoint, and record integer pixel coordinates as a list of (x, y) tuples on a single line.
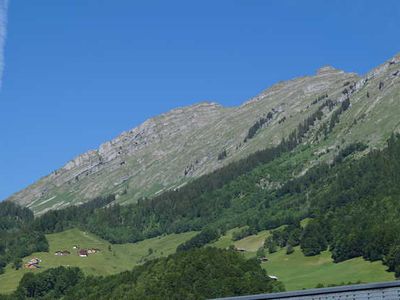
[(250, 243), (110, 260), (297, 271)]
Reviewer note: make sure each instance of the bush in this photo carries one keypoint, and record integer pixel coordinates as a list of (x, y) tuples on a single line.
[(289, 249)]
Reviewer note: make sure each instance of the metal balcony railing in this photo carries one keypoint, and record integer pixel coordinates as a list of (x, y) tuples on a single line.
[(370, 291)]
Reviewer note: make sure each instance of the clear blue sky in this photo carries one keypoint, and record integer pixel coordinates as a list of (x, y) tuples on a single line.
[(78, 72)]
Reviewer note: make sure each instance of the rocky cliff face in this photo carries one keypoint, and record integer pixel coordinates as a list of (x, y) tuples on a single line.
[(166, 151)]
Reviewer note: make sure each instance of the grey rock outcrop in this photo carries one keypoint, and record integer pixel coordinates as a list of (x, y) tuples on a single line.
[(168, 150)]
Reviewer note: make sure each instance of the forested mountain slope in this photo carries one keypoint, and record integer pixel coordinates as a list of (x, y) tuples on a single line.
[(351, 206), (334, 163)]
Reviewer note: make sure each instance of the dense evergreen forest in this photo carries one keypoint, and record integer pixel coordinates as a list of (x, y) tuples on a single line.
[(354, 205), (196, 274), (17, 238)]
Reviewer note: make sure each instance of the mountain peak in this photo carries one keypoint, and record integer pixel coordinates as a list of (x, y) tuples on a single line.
[(328, 70), (395, 59)]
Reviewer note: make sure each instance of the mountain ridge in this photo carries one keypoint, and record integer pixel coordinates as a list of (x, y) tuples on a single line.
[(166, 151)]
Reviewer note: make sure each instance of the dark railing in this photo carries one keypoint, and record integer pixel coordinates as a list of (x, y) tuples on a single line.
[(370, 291)]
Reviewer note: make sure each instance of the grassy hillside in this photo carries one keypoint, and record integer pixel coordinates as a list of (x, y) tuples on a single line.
[(120, 258), (250, 243), (297, 271)]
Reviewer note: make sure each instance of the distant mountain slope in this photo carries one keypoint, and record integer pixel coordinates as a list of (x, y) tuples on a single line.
[(167, 151)]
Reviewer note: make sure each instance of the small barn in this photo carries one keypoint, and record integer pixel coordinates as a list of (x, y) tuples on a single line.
[(62, 253), (31, 266), (35, 260), (240, 249), (33, 263), (83, 253), (93, 250)]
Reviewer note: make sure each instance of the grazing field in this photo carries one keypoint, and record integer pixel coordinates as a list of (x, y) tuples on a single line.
[(253, 242), (250, 243), (111, 258), (297, 271)]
